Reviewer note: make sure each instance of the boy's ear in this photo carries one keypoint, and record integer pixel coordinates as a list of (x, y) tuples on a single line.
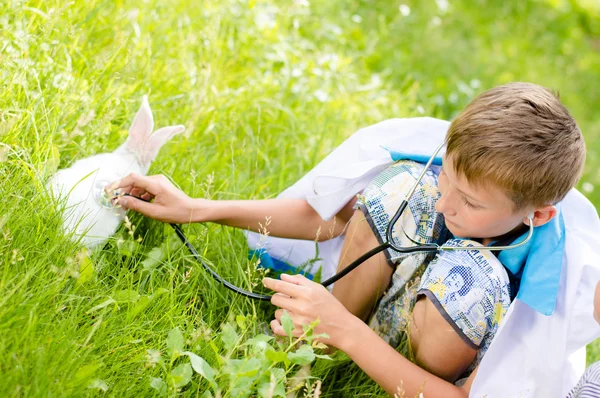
[(542, 215)]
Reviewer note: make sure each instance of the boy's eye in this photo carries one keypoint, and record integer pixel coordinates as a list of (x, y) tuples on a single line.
[(468, 204)]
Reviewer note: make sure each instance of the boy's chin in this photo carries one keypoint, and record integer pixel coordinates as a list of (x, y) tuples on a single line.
[(454, 229)]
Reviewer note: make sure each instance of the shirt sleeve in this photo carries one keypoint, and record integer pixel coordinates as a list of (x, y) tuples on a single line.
[(470, 289), (589, 384)]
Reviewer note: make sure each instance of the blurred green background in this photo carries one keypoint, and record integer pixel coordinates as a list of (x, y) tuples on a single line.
[(266, 89)]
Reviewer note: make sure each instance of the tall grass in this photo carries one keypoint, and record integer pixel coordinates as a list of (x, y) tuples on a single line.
[(265, 89)]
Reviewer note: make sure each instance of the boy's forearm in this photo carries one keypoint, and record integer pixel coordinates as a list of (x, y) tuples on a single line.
[(390, 369), (285, 218)]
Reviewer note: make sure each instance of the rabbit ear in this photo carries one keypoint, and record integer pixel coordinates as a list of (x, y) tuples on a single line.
[(153, 144), (141, 127)]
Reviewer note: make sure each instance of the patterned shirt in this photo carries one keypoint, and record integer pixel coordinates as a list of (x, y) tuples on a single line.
[(470, 288)]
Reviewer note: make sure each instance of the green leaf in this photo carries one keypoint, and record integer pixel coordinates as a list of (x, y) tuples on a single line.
[(287, 323), (259, 338), (154, 258), (127, 248), (140, 305), (98, 384), (175, 342), (276, 356), (101, 305), (319, 345), (86, 371), (271, 389), (181, 375), (241, 321), (152, 358), (241, 388), (303, 356), (86, 267), (207, 394), (159, 385), (278, 373), (259, 342), (51, 164), (229, 336), (239, 368), (272, 384), (203, 368), (126, 296)]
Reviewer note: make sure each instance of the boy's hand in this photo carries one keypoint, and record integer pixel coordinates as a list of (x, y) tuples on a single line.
[(307, 301), (170, 203)]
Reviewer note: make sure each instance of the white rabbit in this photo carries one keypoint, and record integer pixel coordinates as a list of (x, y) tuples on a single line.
[(88, 214)]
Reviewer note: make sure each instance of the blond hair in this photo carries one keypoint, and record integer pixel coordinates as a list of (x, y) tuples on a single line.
[(520, 138)]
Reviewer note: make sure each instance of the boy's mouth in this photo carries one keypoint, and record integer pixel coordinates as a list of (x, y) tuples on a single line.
[(450, 224)]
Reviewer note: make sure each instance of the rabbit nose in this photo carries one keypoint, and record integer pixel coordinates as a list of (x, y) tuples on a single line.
[(100, 195)]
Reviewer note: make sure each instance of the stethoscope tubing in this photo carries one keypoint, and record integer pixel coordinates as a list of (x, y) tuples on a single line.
[(430, 247)]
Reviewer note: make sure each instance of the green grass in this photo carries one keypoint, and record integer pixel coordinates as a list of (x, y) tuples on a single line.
[(265, 89)]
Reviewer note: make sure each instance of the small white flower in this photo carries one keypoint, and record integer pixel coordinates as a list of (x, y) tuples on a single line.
[(264, 20), (587, 187), (356, 18), (436, 21), (321, 95), (475, 83), (453, 98), (404, 10), (61, 81), (420, 109), (442, 5)]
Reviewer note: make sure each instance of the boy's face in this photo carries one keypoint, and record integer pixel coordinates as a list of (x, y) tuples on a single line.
[(475, 211)]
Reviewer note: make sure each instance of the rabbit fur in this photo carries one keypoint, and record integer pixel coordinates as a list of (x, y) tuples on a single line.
[(84, 217)]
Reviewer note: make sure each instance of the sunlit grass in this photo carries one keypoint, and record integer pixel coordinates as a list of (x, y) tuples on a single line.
[(265, 90)]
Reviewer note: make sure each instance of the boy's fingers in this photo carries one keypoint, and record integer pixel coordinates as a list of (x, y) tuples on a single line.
[(134, 180), (147, 196), (137, 192), (280, 286), (279, 331), (277, 328), (132, 203), (297, 279), (282, 301), (279, 314)]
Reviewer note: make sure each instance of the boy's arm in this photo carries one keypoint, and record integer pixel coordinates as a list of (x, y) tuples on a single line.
[(436, 345), (392, 371), (287, 218), (306, 301)]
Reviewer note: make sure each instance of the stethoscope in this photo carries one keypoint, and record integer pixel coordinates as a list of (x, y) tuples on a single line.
[(418, 248)]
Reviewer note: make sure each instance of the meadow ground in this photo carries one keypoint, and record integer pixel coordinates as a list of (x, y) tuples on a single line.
[(265, 89)]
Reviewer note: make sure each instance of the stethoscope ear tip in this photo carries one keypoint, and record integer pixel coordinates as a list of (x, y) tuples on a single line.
[(530, 216)]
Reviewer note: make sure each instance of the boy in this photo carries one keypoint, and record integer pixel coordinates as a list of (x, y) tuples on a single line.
[(514, 151)]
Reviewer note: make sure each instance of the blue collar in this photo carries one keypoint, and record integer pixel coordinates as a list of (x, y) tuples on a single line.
[(540, 260), (540, 263), (397, 155)]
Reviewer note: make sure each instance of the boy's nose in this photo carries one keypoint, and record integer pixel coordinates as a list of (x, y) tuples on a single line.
[(443, 206)]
